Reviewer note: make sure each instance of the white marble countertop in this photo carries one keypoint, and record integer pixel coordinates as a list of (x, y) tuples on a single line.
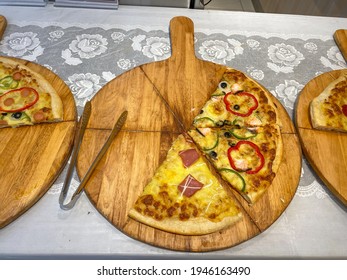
[(313, 226)]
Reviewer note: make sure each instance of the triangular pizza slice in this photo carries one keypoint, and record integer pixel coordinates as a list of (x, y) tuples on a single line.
[(247, 158), (184, 197), (238, 100), (26, 98), (328, 111)]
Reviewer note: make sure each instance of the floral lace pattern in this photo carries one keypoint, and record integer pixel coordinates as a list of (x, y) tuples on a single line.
[(86, 58)]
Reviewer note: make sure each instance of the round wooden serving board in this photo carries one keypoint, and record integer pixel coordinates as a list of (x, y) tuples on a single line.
[(32, 157), (326, 151), (159, 96)]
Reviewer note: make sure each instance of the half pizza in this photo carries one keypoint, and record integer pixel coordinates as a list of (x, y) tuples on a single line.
[(26, 98)]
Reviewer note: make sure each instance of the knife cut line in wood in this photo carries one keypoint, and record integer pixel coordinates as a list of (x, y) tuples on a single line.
[(157, 91)]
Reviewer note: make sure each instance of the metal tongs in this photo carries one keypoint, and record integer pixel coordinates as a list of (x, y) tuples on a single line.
[(77, 143)]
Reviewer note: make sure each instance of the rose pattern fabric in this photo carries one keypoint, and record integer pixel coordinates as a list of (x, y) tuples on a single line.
[(220, 51), (86, 46), (22, 45), (334, 59), (55, 35), (156, 48), (87, 58), (284, 58), (288, 92), (253, 44), (311, 47), (310, 187), (84, 86), (255, 73)]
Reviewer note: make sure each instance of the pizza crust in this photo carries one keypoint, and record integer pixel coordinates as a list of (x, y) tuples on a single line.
[(194, 226), (318, 120)]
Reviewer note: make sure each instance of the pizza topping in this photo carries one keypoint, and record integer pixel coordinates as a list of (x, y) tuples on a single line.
[(17, 76), (235, 178), (39, 116), (8, 82), (246, 156), (236, 88), (189, 186), (20, 103), (8, 101), (213, 155), (20, 116), (189, 157), (344, 110), (223, 85), (243, 133), (241, 104), (203, 121)]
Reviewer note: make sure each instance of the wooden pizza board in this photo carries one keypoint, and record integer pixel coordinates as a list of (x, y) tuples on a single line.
[(161, 97), (326, 151), (32, 157), (340, 37)]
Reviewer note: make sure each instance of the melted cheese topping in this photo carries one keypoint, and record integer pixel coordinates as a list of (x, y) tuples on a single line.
[(162, 199), (38, 112), (215, 114), (245, 157)]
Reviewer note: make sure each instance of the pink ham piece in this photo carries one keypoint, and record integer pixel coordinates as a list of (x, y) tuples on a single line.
[(189, 186), (189, 157)]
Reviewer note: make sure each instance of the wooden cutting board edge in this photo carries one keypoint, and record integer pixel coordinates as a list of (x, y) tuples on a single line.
[(331, 75), (69, 117)]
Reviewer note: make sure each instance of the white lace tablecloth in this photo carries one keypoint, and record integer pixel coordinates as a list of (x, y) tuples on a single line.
[(88, 48)]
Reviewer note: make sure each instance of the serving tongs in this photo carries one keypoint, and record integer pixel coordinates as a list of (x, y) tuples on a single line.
[(77, 143)]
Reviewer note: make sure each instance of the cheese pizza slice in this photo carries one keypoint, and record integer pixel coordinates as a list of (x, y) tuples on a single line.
[(247, 158), (26, 98), (238, 100), (184, 197), (328, 111)]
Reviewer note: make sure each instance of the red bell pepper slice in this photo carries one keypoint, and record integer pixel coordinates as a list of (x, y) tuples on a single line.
[(257, 151), (30, 94), (235, 112)]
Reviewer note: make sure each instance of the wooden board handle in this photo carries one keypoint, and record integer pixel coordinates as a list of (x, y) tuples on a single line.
[(340, 37), (182, 37), (3, 24)]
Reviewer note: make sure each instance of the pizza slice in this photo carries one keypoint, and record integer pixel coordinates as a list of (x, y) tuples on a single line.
[(184, 197), (237, 100), (246, 157), (328, 111), (26, 98)]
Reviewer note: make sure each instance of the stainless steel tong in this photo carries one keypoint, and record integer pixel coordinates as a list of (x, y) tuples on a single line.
[(77, 143)]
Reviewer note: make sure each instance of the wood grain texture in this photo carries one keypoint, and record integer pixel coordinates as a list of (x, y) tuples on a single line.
[(171, 93), (32, 157), (340, 37), (326, 151), (3, 24)]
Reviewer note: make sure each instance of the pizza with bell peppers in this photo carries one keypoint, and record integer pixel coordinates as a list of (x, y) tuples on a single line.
[(246, 157), (238, 100), (238, 129), (26, 98)]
